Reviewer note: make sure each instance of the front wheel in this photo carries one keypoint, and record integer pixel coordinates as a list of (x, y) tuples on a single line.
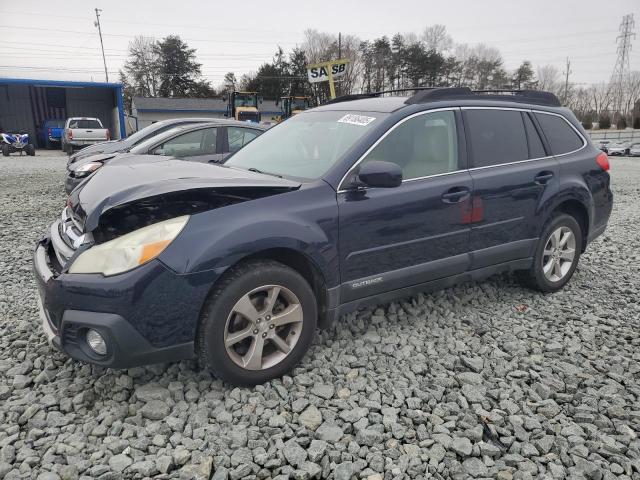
[(257, 323), (6, 150), (557, 254), (30, 149)]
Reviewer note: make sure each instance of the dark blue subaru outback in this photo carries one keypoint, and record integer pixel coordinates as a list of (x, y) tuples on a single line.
[(356, 202)]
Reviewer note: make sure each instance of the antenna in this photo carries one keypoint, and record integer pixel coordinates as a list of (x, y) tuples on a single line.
[(620, 76), (97, 24)]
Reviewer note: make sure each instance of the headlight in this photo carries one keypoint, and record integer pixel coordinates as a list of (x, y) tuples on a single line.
[(86, 169), (130, 250)]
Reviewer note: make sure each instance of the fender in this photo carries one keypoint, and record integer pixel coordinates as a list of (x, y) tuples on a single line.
[(309, 226), (573, 189)]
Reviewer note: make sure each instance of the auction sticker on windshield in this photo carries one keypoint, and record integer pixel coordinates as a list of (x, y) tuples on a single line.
[(360, 120)]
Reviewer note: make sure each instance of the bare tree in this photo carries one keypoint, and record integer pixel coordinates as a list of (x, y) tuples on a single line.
[(632, 92), (142, 67), (600, 97), (549, 78), (435, 37)]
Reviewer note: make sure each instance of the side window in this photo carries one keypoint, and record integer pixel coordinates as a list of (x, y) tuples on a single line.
[(536, 149), (562, 138), (199, 142), (239, 137), (497, 136), (423, 145)]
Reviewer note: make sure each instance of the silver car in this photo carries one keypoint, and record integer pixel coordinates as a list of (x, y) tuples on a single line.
[(619, 149), (634, 150)]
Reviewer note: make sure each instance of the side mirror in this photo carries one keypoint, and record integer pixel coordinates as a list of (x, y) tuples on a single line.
[(159, 151), (380, 174)]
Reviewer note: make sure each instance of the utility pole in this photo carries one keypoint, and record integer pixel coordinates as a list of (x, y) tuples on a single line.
[(566, 81), (97, 24), (339, 50)]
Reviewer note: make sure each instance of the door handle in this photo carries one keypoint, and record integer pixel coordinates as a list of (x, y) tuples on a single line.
[(543, 177), (455, 195)]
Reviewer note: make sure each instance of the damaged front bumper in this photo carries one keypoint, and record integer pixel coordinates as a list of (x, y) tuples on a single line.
[(147, 315)]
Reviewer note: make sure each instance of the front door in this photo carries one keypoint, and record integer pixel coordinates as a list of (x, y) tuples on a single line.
[(392, 238)]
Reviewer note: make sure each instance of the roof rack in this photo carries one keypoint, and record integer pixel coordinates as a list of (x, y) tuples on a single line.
[(434, 94), (465, 93), (358, 96)]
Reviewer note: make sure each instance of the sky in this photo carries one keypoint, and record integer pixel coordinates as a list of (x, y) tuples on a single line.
[(37, 41)]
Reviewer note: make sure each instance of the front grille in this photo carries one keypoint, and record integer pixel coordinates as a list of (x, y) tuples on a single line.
[(67, 236)]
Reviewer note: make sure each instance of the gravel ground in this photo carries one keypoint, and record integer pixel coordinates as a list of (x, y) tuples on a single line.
[(484, 380)]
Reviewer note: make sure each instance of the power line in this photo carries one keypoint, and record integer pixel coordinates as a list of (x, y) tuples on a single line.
[(121, 35)]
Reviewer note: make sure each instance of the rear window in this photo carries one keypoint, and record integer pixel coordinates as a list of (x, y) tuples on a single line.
[(87, 123), (561, 136), (496, 136)]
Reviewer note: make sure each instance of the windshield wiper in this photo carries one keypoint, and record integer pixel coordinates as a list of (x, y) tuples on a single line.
[(265, 173)]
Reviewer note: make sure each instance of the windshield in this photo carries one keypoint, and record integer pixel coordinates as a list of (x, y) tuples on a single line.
[(146, 131), (307, 145), (299, 104), (245, 100)]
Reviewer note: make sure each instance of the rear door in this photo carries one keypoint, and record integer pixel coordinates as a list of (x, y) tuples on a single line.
[(392, 238), (512, 175)]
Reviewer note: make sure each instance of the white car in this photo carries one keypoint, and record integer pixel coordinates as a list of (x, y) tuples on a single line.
[(619, 149), (634, 150)]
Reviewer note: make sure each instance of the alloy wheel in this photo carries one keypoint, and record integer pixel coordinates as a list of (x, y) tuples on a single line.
[(263, 327), (559, 254)]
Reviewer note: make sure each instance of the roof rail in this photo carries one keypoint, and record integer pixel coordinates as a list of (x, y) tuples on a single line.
[(358, 96), (457, 93)]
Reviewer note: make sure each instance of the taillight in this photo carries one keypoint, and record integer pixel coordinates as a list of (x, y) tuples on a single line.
[(603, 161), (49, 132), (108, 134), (70, 134)]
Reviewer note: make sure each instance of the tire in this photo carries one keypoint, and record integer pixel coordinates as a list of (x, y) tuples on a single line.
[(6, 150), (562, 269), (256, 282), (30, 150)]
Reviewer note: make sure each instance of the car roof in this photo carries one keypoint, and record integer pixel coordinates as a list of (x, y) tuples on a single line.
[(443, 97), (375, 104)]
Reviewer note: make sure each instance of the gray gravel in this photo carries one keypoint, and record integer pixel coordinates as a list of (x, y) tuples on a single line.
[(485, 380)]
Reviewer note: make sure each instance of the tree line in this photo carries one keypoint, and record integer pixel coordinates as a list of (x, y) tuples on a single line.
[(169, 68)]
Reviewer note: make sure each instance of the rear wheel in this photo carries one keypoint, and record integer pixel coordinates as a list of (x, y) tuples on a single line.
[(6, 150), (257, 324), (30, 149), (557, 254)]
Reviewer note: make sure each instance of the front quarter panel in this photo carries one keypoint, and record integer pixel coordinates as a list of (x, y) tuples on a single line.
[(304, 220)]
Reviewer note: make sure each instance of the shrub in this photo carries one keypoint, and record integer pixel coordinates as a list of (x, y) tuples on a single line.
[(586, 125), (636, 123), (604, 122), (622, 123)]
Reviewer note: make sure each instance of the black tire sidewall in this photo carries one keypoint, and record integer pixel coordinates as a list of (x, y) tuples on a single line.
[(561, 220), (215, 317)]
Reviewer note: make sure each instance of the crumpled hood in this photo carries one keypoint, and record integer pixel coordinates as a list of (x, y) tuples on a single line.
[(118, 183), (111, 146), (98, 157)]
